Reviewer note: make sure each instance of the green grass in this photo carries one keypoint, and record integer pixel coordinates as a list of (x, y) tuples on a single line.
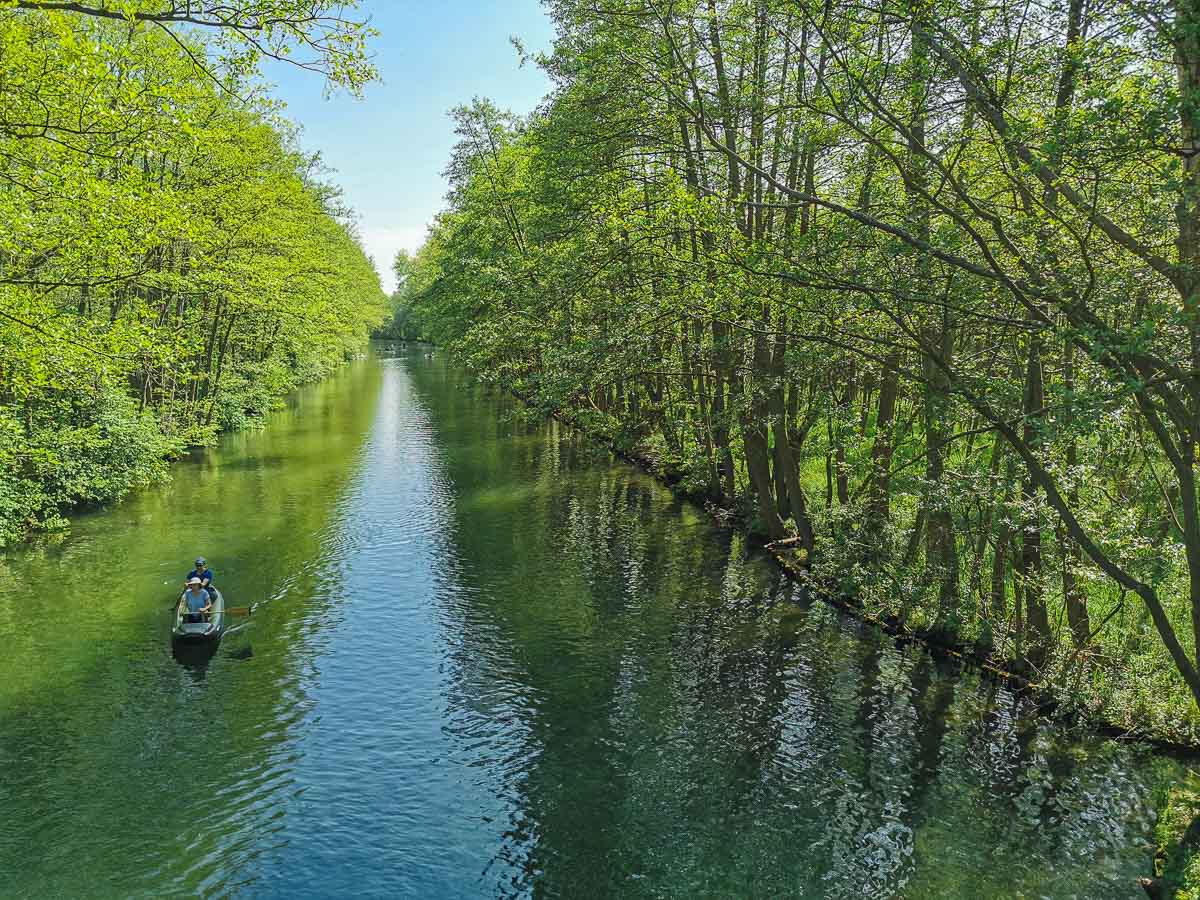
[(1177, 835)]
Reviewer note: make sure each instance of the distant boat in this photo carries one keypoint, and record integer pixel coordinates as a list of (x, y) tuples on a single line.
[(210, 629)]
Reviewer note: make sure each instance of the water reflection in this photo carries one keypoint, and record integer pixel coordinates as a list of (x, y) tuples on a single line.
[(122, 772), (682, 728), (487, 660), (194, 657)]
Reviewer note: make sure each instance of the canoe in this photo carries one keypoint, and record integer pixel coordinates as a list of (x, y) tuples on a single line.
[(210, 630)]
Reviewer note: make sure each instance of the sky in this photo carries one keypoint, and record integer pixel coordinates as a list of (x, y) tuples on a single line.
[(388, 149)]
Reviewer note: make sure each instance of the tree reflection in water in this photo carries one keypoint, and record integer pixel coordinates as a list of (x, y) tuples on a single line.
[(661, 719)]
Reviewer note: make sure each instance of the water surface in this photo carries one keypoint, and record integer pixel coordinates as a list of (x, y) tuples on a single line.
[(488, 660)]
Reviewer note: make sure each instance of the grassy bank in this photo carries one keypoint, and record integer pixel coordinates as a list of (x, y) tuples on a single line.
[(69, 457)]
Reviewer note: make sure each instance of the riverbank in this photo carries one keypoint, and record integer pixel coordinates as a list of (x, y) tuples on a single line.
[(53, 471), (1175, 867), (223, 272), (1183, 744), (1176, 873)]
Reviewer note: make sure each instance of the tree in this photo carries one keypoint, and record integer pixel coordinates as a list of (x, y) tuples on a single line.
[(934, 261), (169, 267)]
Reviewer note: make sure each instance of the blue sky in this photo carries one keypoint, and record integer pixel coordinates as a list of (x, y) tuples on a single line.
[(389, 148)]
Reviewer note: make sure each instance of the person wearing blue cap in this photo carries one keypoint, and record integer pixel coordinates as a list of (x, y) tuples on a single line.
[(204, 573)]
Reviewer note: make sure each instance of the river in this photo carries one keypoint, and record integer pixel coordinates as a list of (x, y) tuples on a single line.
[(488, 660)]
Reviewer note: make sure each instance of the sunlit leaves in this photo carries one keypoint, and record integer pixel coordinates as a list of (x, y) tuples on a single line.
[(169, 265)]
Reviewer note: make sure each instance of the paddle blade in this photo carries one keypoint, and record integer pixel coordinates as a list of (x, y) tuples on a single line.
[(237, 610)]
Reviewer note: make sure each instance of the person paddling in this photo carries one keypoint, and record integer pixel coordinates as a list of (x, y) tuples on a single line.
[(197, 599), (202, 572)]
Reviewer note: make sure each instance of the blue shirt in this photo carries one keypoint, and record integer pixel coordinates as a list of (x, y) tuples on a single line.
[(197, 601), (204, 575)]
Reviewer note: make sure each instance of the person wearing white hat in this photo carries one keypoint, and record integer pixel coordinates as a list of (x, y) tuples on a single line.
[(197, 599)]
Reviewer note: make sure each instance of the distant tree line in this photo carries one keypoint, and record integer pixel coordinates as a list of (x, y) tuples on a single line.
[(170, 262), (915, 283), (399, 324)]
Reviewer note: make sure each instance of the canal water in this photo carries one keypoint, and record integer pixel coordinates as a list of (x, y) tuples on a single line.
[(487, 660)]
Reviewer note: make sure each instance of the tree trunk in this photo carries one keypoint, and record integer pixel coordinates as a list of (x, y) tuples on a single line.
[(1030, 570), (879, 511)]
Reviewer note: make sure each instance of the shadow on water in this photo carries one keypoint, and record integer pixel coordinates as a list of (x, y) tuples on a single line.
[(241, 653), (195, 656)]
